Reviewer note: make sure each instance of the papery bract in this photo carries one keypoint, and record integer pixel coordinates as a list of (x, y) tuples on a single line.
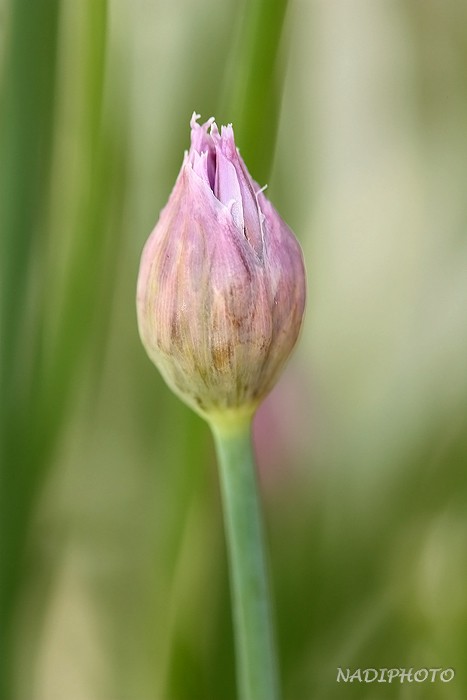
[(221, 287)]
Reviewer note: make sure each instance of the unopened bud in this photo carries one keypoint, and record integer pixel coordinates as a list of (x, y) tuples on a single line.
[(221, 287)]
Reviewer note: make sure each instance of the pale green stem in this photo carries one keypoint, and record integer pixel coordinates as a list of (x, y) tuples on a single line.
[(257, 672)]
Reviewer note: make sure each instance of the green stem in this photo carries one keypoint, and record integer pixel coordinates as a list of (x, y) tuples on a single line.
[(257, 673)]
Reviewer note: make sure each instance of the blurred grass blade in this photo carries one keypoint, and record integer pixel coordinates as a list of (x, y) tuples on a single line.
[(26, 126), (81, 280), (254, 84), (35, 387)]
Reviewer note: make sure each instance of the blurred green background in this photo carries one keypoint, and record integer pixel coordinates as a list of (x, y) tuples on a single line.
[(113, 580)]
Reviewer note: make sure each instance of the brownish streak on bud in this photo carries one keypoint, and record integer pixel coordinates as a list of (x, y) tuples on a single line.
[(221, 356), (236, 322), (174, 331)]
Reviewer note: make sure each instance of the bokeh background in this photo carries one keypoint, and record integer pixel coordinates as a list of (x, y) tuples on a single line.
[(113, 578)]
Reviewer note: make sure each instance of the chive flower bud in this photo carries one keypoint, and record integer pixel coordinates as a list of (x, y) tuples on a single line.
[(221, 286)]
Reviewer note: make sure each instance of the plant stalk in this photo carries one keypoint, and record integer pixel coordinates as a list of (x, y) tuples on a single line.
[(257, 669)]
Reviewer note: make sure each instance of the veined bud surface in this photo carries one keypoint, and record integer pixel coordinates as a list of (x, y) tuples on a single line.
[(221, 286)]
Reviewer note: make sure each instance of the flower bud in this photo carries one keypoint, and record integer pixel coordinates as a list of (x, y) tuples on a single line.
[(221, 287)]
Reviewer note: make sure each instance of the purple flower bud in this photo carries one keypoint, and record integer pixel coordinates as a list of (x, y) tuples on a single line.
[(221, 287)]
